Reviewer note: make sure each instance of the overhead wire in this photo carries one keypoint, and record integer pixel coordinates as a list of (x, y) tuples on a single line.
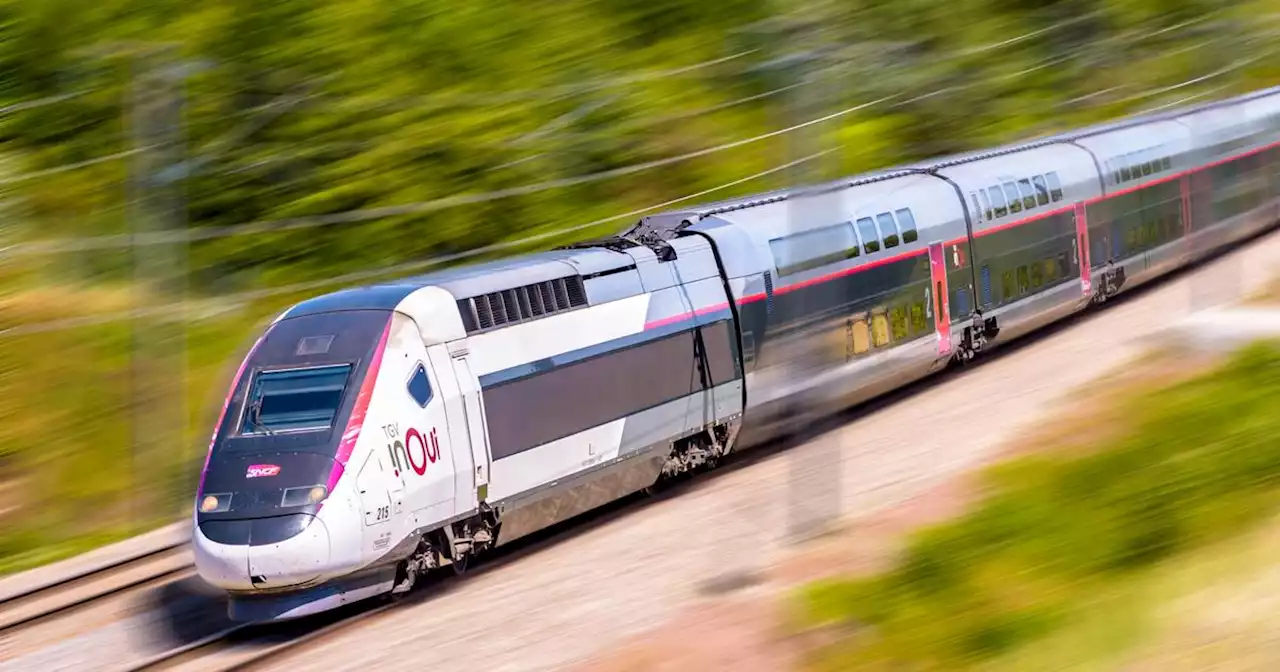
[(550, 92), (223, 304), (118, 241), (72, 166), (364, 214), (184, 309), (218, 305), (41, 102)]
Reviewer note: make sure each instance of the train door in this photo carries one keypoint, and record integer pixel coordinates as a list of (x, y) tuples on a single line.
[(1081, 245), (477, 434), (459, 434), (429, 465), (938, 290), (374, 481)]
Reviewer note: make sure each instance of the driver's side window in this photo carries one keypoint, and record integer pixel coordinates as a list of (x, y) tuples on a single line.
[(419, 386)]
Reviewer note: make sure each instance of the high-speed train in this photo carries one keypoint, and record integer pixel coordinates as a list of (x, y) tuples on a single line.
[(375, 433)]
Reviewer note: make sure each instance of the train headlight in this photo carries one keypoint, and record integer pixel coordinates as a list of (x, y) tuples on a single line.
[(215, 503), (311, 494)]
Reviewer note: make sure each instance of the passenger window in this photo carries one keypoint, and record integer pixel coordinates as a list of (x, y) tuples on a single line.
[(898, 321), (977, 209), (880, 330), (907, 222), (1135, 164), (1007, 288), (1011, 194), (419, 386), (1023, 281), (997, 202), (1028, 196), (861, 337), (870, 237), (1042, 191), (1064, 266), (918, 322), (1166, 163), (986, 204), (1050, 270), (812, 249), (1055, 187), (1125, 175), (1037, 275), (888, 229), (1146, 164)]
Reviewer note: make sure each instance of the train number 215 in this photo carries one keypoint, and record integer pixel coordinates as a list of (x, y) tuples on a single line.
[(384, 512)]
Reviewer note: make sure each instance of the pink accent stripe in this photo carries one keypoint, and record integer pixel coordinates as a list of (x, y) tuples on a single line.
[(1026, 220), (1187, 172), (226, 403), (358, 412), (685, 316)]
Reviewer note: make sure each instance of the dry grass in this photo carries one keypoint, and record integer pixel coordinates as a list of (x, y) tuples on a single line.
[(1091, 417), (10, 498), (1218, 610), (81, 376), (44, 304), (1268, 295)]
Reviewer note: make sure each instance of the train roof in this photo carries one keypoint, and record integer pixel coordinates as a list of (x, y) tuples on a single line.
[(471, 280)]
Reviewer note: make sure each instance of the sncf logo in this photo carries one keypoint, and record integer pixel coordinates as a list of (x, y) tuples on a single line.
[(262, 470)]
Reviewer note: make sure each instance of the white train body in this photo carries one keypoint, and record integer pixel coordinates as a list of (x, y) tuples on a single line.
[(404, 446), (377, 432)]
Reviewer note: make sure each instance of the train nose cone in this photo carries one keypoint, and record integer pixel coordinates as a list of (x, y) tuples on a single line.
[(261, 553), (220, 563), (287, 550)]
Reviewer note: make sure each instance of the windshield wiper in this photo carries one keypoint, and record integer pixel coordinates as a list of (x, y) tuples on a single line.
[(255, 417)]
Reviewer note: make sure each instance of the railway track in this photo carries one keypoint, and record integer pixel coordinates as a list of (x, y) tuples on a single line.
[(248, 646), (63, 598)]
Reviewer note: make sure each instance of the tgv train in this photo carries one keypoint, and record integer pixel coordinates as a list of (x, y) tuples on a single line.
[(378, 432)]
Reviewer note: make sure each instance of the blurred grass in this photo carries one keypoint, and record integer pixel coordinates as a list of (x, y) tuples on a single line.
[(69, 480), (1065, 539), (1213, 608)]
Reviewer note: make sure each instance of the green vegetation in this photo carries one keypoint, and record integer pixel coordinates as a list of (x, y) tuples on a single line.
[(297, 109), (1066, 542)]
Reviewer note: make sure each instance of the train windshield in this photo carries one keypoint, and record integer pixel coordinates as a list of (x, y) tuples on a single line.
[(295, 400)]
